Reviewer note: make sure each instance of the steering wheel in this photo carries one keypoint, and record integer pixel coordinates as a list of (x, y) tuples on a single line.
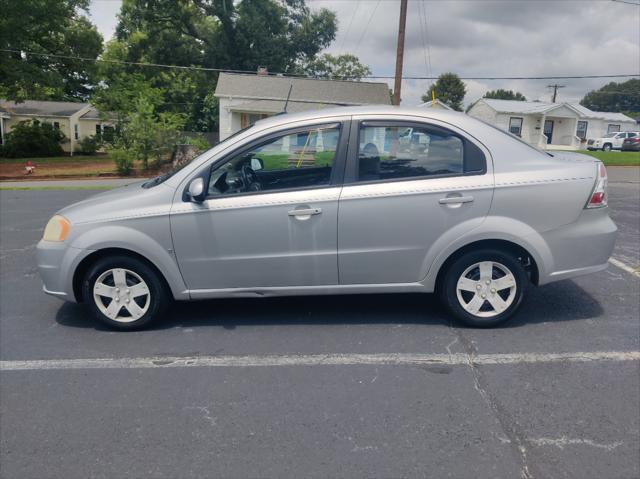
[(250, 179)]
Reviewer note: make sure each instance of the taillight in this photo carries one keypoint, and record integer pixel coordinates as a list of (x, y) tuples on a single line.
[(598, 197)]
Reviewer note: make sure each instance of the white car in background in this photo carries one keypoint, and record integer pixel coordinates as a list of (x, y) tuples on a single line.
[(611, 141)]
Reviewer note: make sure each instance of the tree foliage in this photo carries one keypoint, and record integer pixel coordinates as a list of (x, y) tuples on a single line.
[(501, 94), (340, 67), (32, 138), (617, 97), (46, 27), (449, 89), (222, 34)]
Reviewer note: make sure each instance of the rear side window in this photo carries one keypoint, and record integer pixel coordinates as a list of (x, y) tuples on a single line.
[(397, 152)]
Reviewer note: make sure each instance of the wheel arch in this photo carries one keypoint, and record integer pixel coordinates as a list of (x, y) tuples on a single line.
[(88, 261), (529, 260)]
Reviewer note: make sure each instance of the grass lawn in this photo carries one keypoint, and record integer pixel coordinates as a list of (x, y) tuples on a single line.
[(616, 158), (280, 161)]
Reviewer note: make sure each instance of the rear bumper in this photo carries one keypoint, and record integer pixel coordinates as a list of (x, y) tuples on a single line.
[(582, 247), (635, 147)]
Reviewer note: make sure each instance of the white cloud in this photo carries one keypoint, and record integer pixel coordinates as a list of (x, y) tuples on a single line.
[(481, 38)]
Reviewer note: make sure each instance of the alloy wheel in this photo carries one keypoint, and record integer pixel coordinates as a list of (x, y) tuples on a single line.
[(486, 289), (121, 295)]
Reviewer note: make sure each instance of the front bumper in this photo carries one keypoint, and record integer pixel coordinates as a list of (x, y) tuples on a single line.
[(57, 263)]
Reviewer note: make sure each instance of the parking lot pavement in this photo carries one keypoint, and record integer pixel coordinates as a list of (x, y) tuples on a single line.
[(375, 385)]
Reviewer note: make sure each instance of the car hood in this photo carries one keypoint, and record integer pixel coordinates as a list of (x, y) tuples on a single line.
[(120, 203)]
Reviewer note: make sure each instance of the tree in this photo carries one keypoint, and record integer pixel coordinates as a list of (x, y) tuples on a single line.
[(617, 97), (340, 67), (33, 29), (278, 34), (449, 89), (501, 94)]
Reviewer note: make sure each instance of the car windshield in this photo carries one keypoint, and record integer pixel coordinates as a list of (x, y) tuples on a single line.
[(165, 176)]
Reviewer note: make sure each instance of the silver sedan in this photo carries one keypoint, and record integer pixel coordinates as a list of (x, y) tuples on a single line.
[(338, 201)]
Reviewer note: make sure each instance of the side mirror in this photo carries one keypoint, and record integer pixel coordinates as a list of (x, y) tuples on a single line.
[(197, 193), (256, 164)]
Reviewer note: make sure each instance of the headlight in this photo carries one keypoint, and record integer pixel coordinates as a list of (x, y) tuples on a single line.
[(57, 229)]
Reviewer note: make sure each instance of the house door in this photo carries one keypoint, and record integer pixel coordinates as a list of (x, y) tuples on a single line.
[(548, 130)]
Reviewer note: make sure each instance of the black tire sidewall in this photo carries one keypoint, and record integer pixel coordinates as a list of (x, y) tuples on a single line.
[(455, 270), (157, 290)]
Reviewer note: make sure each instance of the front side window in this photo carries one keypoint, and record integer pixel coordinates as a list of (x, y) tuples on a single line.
[(515, 126), (390, 152), (613, 128), (581, 129), (298, 160)]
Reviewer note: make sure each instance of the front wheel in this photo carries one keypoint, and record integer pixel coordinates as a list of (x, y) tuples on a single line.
[(124, 292), (606, 147), (484, 288)]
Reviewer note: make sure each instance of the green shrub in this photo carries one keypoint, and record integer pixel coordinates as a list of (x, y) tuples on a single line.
[(89, 145), (123, 161), (198, 141), (30, 138)]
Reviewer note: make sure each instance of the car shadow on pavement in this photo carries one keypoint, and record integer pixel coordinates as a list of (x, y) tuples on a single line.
[(562, 301)]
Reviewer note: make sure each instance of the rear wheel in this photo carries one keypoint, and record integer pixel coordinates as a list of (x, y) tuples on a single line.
[(484, 288), (606, 147), (124, 293)]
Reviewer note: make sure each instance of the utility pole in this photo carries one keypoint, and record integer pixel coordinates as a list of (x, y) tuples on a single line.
[(555, 91), (400, 53)]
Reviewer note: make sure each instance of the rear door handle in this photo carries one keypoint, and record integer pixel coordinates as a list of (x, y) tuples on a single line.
[(455, 199), (305, 212)]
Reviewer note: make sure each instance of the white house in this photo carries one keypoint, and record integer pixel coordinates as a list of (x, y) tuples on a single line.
[(550, 125), (75, 120), (437, 104), (245, 98)]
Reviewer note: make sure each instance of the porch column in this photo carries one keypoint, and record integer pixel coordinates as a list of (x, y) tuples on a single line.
[(542, 136), (1, 130)]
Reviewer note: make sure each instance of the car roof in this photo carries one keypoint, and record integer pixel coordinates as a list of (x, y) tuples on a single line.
[(434, 113)]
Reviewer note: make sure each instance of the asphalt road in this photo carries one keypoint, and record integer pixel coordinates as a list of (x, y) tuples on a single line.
[(526, 410)]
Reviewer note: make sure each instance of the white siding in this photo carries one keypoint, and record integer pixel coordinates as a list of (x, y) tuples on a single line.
[(483, 112)]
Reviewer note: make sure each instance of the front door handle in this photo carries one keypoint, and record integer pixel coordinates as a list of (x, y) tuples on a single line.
[(305, 212), (449, 200)]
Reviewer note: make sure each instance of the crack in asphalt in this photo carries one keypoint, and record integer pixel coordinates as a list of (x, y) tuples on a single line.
[(515, 436)]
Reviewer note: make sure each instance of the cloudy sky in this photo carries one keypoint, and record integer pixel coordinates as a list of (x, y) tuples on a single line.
[(478, 38)]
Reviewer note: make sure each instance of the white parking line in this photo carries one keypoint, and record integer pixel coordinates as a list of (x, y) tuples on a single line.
[(625, 267), (456, 359)]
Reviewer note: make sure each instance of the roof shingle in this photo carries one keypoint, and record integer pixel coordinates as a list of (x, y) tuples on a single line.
[(333, 92)]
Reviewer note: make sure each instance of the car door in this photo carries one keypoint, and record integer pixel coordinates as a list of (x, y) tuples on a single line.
[(270, 215), (410, 188), (618, 139)]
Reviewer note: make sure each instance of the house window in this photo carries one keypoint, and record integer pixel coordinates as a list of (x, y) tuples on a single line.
[(515, 126), (56, 125), (248, 119), (76, 132), (98, 130), (613, 128), (581, 129), (108, 132)]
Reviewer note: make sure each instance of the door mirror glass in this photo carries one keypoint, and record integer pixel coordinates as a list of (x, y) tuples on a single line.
[(196, 190), (256, 164)]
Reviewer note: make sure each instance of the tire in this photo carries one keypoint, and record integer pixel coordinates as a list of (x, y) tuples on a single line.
[(144, 299), (606, 147), (464, 283)]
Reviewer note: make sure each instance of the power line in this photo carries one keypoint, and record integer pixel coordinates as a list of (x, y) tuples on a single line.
[(382, 77), (367, 26), (353, 15), (628, 3)]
